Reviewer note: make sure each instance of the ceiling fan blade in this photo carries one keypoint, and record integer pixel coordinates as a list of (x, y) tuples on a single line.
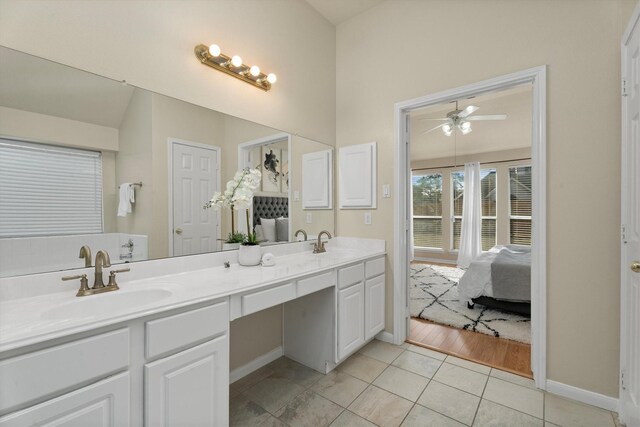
[(488, 117), (432, 129), (469, 110)]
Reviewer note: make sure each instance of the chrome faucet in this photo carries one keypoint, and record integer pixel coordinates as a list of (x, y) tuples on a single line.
[(304, 233), (318, 247), (102, 260), (85, 252)]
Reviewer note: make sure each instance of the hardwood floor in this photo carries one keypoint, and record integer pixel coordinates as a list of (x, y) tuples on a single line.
[(507, 355)]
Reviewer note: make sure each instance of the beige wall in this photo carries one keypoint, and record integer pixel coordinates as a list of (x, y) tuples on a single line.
[(150, 44), (453, 43)]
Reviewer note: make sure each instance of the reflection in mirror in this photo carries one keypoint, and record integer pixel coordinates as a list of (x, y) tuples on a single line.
[(85, 160)]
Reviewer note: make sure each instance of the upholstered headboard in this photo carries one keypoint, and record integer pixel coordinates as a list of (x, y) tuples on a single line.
[(269, 207)]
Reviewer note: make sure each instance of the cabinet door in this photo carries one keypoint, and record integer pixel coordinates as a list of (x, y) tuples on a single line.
[(350, 319), (103, 404), (357, 178), (374, 306), (190, 388)]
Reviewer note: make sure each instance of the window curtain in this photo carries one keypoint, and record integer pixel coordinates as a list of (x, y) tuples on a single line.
[(471, 232)]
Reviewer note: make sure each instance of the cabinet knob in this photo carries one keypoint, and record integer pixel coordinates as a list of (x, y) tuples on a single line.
[(178, 230), (635, 266)]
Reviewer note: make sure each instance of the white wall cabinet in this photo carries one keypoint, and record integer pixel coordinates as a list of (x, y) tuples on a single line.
[(358, 176), (317, 180), (103, 404), (190, 388)]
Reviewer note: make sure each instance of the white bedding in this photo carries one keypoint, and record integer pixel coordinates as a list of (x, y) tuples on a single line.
[(476, 281)]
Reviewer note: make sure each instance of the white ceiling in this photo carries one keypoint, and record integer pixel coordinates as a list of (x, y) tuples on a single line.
[(486, 136), (337, 11), (33, 84)]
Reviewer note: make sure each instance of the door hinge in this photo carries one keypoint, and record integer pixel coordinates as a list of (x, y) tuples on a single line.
[(624, 87), (624, 234), (622, 380)]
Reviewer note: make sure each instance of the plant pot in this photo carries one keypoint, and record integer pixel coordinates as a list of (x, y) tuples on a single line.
[(230, 246), (249, 255)]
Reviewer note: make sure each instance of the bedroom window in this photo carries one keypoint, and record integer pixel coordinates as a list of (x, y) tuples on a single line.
[(427, 210), (488, 199), (520, 205), (46, 190)]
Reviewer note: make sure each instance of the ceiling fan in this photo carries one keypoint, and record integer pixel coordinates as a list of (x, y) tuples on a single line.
[(461, 119)]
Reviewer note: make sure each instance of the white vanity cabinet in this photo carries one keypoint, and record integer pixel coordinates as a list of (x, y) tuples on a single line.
[(190, 387), (361, 300)]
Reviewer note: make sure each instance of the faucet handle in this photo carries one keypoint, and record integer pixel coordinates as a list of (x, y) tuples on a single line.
[(112, 277), (84, 283)]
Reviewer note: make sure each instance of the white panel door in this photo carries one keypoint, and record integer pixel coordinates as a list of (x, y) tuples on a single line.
[(190, 388), (358, 176), (103, 404), (195, 179), (374, 306), (630, 289), (350, 319)]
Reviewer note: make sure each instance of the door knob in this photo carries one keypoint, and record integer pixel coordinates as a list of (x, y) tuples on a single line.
[(635, 266), (178, 230)]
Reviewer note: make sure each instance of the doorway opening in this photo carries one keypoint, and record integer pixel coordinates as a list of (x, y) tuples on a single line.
[(505, 184)]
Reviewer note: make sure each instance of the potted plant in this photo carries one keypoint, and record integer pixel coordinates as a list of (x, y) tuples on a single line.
[(249, 251), (237, 195)]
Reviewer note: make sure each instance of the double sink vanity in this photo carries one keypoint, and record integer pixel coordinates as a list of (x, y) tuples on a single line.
[(156, 351)]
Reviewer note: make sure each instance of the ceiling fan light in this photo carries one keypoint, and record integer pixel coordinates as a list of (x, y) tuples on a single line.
[(465, 127), (447, 129)]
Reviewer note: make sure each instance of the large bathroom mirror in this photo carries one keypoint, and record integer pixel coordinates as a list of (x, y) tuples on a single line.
[(86, 160)]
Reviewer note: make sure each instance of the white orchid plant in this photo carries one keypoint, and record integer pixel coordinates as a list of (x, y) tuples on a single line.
[(238, 195)]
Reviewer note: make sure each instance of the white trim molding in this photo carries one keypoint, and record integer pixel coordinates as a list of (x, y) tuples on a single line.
[(257, 363), (537, 78), (581, 395), (385, 336)]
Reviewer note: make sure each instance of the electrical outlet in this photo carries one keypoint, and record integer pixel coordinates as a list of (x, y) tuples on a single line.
[(386, 191), (309, 218), (367, 218)]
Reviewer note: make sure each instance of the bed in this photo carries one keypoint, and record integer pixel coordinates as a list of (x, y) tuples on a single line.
[(499, 278), (275, 209)]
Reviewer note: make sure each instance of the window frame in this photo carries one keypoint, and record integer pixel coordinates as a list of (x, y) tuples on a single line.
[(519, 217), (414, 217)]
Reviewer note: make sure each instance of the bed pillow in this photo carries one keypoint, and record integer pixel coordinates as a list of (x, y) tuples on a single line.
[(282, 229), (259, 233), (269, 228)]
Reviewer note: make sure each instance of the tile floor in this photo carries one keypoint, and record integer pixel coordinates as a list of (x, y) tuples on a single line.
[(406, 385)]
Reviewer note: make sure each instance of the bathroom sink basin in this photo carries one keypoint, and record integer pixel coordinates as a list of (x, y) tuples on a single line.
[(108, 303)]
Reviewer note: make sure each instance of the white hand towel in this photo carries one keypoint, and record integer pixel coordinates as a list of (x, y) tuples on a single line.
[(124, 203)]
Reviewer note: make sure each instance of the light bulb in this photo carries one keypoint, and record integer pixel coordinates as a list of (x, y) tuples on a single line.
[(214, 50), (465, 127), (255, 71), (271, 78), (447, 129), (236, 61)]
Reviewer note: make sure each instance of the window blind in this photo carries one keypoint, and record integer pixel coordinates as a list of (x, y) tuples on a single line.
[(47, 190), (520, 204), (427, 210)]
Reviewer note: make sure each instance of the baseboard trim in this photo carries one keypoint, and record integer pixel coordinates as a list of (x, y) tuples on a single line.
[(257, 363), (385, 336), (582, 395)]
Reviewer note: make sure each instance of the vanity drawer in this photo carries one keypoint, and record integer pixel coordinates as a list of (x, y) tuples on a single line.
[(374, 268), (350, 275), (268, 298), (33, 376), (313, 284), (178, 331)]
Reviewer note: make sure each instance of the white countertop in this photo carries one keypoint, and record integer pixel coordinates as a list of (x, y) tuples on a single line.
[(41, 317)]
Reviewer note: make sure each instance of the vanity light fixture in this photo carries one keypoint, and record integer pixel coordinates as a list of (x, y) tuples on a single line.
[(232, 65)]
